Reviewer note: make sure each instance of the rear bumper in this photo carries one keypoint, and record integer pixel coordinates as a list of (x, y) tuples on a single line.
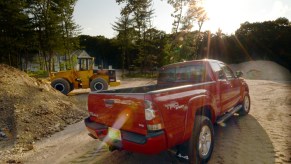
[(152, 143)]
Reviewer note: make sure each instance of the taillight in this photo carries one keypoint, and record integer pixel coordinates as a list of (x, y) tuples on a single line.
[(153, 117)]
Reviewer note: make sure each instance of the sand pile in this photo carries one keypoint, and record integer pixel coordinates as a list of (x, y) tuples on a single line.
[(31, 109), (263, 70)]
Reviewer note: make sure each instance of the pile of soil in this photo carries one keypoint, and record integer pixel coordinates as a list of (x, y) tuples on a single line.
[(30, 109), (262, 70)]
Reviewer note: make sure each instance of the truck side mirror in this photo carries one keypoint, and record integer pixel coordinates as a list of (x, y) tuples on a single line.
[(239, 74)]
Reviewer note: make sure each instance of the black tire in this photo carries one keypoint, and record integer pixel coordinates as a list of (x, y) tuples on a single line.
[(71, 87), (98, 84), (246, 106), (202, 141), (61, 85)]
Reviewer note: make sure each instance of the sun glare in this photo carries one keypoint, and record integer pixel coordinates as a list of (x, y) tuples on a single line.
[(222, 14)]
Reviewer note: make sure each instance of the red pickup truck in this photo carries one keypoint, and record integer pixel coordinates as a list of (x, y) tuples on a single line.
[(178, 112)]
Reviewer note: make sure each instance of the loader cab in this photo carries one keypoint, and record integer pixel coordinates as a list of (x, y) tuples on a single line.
[(85, 63)]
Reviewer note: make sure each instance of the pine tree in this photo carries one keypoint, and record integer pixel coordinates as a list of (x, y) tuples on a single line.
[(15, 32), (141, 14), (53, 22), (126, 32)]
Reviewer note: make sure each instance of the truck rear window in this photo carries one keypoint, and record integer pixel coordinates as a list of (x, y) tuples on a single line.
[(191, 73)]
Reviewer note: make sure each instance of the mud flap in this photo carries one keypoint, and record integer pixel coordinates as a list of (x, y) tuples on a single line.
[(182, 152)]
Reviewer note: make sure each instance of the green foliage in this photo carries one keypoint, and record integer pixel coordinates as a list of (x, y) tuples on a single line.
[(154, 48), (39, 74), (266, 40), (54, 25), (135, 30), (30, 27), (185, 43), (126, 34), (16, 34)]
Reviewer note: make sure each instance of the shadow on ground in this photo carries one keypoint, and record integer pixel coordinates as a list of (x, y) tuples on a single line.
[(241, 140)]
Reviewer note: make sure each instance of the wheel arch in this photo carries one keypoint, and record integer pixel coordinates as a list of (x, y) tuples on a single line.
[(200, 105), (64, 78), (95, 76), (207, 111)]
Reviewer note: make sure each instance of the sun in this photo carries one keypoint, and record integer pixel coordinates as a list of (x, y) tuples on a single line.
[(222, 14)]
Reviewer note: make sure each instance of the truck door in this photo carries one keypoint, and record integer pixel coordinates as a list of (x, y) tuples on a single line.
[(230, 88)]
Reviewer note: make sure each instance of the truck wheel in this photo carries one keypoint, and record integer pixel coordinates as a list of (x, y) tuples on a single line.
[(202, 141), (61, 85), (98, 84), (246, 106)]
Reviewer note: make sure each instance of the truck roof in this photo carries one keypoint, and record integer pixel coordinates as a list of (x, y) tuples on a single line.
[(191, 61)]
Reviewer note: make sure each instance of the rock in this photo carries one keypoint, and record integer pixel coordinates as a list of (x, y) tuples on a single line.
[(28, 147), (11, 161), (2, 135), (27, 129)]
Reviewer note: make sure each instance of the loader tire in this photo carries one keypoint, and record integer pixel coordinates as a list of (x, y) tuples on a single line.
[(98, 85), (71, 87), (61, 85)]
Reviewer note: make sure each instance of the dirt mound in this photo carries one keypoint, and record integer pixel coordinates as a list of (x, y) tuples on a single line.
[(263, 70), (31, 109)]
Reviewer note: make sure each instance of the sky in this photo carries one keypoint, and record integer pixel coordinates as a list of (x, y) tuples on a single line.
[(97, 16)]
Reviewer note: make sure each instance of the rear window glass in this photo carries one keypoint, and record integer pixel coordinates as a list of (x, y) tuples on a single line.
[(191, 73)]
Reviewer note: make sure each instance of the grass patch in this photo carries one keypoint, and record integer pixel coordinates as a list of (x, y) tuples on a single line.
[(39, 74)]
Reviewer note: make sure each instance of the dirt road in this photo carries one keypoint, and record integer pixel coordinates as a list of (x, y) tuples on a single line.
[(263, 136)]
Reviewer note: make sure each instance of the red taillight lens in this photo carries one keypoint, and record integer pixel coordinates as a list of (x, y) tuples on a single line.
[(153, 116)]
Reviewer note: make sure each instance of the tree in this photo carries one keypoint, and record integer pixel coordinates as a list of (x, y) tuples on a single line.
[(195, 14), (140, 13), (126, 33), (69, 31), (16, 34), (178, 6), (266, 40), (53, 22), (182, 48), (154, 48)]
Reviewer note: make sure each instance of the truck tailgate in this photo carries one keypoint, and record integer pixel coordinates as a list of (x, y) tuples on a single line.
[(120, 111)]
